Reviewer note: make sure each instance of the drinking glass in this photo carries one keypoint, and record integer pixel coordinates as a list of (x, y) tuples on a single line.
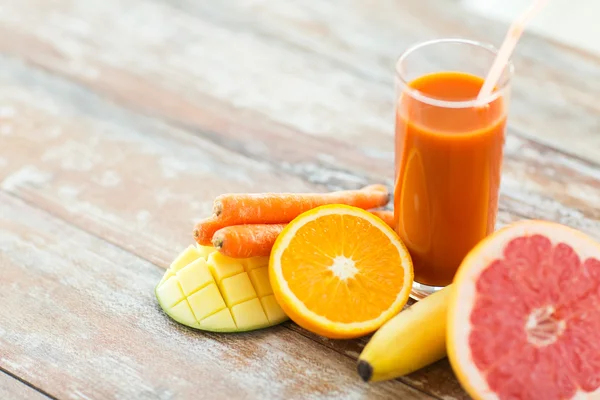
[(448, 154)]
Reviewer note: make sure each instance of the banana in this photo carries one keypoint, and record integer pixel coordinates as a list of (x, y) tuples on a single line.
[(413, 339)]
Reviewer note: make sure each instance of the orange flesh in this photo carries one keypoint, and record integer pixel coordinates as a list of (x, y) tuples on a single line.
[(307, 261), (448, 163)]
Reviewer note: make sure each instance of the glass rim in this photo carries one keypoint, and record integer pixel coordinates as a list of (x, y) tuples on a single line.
[(418, 95)]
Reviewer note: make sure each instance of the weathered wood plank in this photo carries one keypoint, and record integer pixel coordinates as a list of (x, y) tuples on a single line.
[(325, 68), (548, 97), (10, 388), (540, 182), (132, 176), (79, 320)]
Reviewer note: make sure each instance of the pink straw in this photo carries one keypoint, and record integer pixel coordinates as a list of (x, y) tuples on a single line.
[(510, 42)]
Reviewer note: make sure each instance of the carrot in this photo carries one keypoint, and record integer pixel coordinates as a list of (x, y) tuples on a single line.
[(386, 216), (206, 228), (279, 208), (244, 241)]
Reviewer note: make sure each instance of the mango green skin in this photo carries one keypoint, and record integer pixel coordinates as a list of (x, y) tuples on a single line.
[(413, 339)]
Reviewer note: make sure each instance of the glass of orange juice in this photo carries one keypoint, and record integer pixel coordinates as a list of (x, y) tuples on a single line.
[(448, 153)]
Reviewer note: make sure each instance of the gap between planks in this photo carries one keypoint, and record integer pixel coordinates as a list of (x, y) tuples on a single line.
[(33, 392)]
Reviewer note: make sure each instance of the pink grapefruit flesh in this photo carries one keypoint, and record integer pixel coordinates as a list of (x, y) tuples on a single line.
[(524, 320)]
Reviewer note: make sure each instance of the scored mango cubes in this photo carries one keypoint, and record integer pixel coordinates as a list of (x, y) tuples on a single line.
[(206, 290)]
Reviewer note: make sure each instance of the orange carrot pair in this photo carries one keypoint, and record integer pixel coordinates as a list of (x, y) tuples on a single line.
[(243, 241), (280, 208)]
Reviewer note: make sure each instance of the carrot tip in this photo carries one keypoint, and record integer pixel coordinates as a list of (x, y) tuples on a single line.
[(196, 234), (217, 242)]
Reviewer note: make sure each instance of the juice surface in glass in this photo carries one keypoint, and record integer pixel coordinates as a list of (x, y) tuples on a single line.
[(448, 162)]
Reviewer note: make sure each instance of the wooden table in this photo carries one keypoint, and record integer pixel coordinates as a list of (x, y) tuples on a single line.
[(120, 121)]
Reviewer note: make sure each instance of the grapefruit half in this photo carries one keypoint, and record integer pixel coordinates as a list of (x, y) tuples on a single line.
[(524, 318)]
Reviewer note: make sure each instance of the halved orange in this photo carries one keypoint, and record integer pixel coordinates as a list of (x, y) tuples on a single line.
[(340, 271), (524, 315)]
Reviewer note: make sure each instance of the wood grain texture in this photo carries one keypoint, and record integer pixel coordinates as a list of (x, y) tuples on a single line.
[(548, 96), (321, 68), (79, 320), (129, 133), (12, 389), (76, 154), (436, 379)]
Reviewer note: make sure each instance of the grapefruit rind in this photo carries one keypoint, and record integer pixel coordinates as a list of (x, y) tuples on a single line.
[(462, 300), (297, 310)]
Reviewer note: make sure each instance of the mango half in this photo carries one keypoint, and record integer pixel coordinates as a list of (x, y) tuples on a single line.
[(206, 290)]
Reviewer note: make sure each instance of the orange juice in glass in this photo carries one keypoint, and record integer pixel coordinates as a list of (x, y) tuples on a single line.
[(448, 155)]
